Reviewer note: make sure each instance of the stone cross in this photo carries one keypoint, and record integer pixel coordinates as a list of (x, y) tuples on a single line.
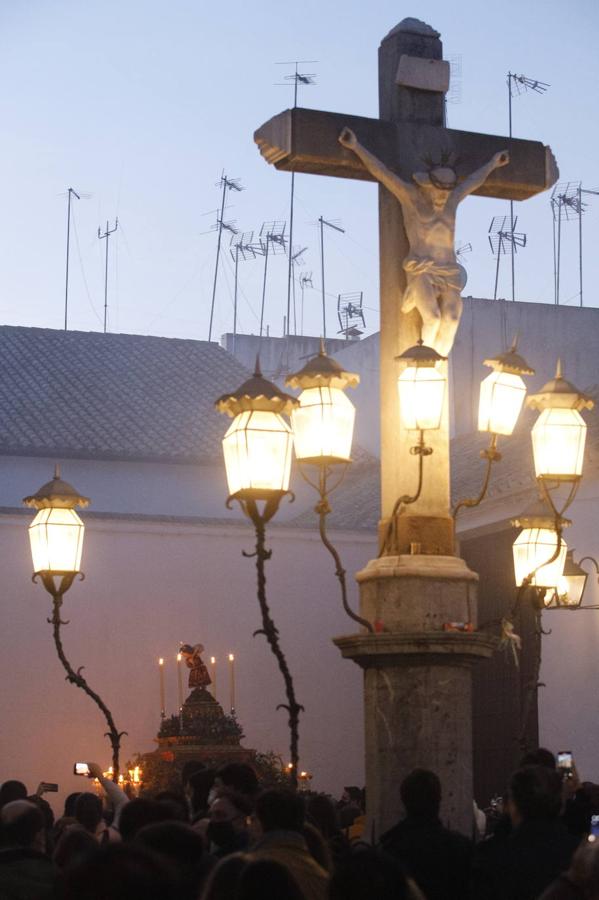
[(413, 80)]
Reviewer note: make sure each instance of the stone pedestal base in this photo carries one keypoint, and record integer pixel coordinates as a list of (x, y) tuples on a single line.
[(417, 682)]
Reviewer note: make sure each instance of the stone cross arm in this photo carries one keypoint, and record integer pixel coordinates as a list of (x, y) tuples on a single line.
[(306, 140)]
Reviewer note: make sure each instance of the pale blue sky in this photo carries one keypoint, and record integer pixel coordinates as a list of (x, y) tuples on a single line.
[(143, 104)]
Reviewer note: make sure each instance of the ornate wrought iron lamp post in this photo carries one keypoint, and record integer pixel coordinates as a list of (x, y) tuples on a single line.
[(257, 449), (56, 537)]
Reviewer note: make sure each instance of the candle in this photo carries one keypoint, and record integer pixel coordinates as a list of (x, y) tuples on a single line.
[(232, 681), (180, 681), (213, 665), (162, 700)]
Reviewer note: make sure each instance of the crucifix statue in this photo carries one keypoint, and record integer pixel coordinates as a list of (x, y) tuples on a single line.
[(435, 279), (417, 678), (420, 279)]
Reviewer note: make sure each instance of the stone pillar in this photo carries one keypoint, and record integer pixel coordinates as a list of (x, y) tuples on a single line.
[(417, 681)]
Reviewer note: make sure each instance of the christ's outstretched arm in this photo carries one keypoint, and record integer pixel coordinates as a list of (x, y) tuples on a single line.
[(399, 188), (474, 181)]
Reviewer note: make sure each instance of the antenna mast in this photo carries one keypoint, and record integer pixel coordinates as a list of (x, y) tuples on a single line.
[(227, 184), (350, 313), (337, 227), (240, 246), (270, 240), (518, 84), (501, 237), (305, 280), (105, 237), (304, 79), (71, 192), (566, 205)]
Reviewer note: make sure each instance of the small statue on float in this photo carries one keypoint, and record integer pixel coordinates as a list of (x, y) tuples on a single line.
[(198, 675)]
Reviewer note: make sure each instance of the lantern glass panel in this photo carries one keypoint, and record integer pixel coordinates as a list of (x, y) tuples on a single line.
[(558, 439), (323, 425), (257, 449), (532, 549), (570, 589), (56, 537), (421, 396), (501, 397)]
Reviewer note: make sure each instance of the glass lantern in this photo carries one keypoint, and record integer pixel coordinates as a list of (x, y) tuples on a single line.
[(570, 586), (323, 422), (421, 388), (559, 434), (56, 533), (532, 549), (258, 444), (502, 392)]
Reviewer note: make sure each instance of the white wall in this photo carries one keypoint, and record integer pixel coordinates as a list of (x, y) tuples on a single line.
[(148, 587)]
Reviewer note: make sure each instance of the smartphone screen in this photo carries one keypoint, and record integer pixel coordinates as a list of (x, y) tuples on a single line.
[(81, 769), (564, 759), (594, 834)]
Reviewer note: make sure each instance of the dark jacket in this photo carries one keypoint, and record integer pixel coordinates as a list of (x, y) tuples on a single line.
[(436, 858), (25, 874), (521, 865)]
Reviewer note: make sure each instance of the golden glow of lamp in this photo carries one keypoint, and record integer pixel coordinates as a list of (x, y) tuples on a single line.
[(559, 434), (570, 586), (502, 392), (258, 444), (56, 533), (323, 422), (539, 553), (421, 387)]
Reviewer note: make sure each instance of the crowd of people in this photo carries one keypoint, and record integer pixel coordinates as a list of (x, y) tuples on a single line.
[(224, 837)]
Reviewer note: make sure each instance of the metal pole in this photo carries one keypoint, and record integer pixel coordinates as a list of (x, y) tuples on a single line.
[(235, 298), (554, 254), (66, 286), (559, 247), (294, 306), (290, 266), (580, 238), (324, 318), (509, 85), (499, 246), (106, 281), (220, 231), (303, 287), (264, 284)]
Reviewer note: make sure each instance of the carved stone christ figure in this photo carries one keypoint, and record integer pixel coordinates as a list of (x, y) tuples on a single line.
[(434, 277)]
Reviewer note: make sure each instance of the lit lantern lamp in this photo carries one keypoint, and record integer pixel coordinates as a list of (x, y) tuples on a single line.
[(502, 392), (323, 422), (559, 434), (56, 533), (258, 445), (421, 388), (539, 552), (570, 585)]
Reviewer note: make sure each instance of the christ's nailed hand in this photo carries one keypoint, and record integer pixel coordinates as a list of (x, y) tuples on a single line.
[(348, 139), (501, 159)]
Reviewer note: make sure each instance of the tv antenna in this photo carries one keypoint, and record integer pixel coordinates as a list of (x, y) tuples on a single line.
[(305, 281), (106, 237), (503, 239), (70, 193), (296, 260), (350, 313), (271, 240), (240, 247), (225, 184), (337, 227), (297, 79), (461, 251), (567, 204), (454, 94), (516, 85)]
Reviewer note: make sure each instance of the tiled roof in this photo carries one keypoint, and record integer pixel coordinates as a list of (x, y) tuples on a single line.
[(112, 396)]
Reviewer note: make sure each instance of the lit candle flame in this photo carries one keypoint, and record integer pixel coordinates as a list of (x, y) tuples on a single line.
[(161, 661), (231, 657)]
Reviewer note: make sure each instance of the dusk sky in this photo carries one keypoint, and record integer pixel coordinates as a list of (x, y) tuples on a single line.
[(144, 104)]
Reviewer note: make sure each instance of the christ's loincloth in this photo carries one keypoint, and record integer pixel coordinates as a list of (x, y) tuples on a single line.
[(441, 276)]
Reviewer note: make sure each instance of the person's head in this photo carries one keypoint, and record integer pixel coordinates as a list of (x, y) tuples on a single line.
[(584, 869), (317, 846), (352, 794), (182, 847), (321, 810), (138, 813), (88, 811), (198, 789), (119, 872), (539, 757), (12, 790), (224, 878), (45, 809), (535, 792), (74, 845), (238, 777), (69, 805), (437, 183), (368, 874), (278, 809), (175, 804), (420, 793), (22, 825), (266, 879), (228, 816)]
